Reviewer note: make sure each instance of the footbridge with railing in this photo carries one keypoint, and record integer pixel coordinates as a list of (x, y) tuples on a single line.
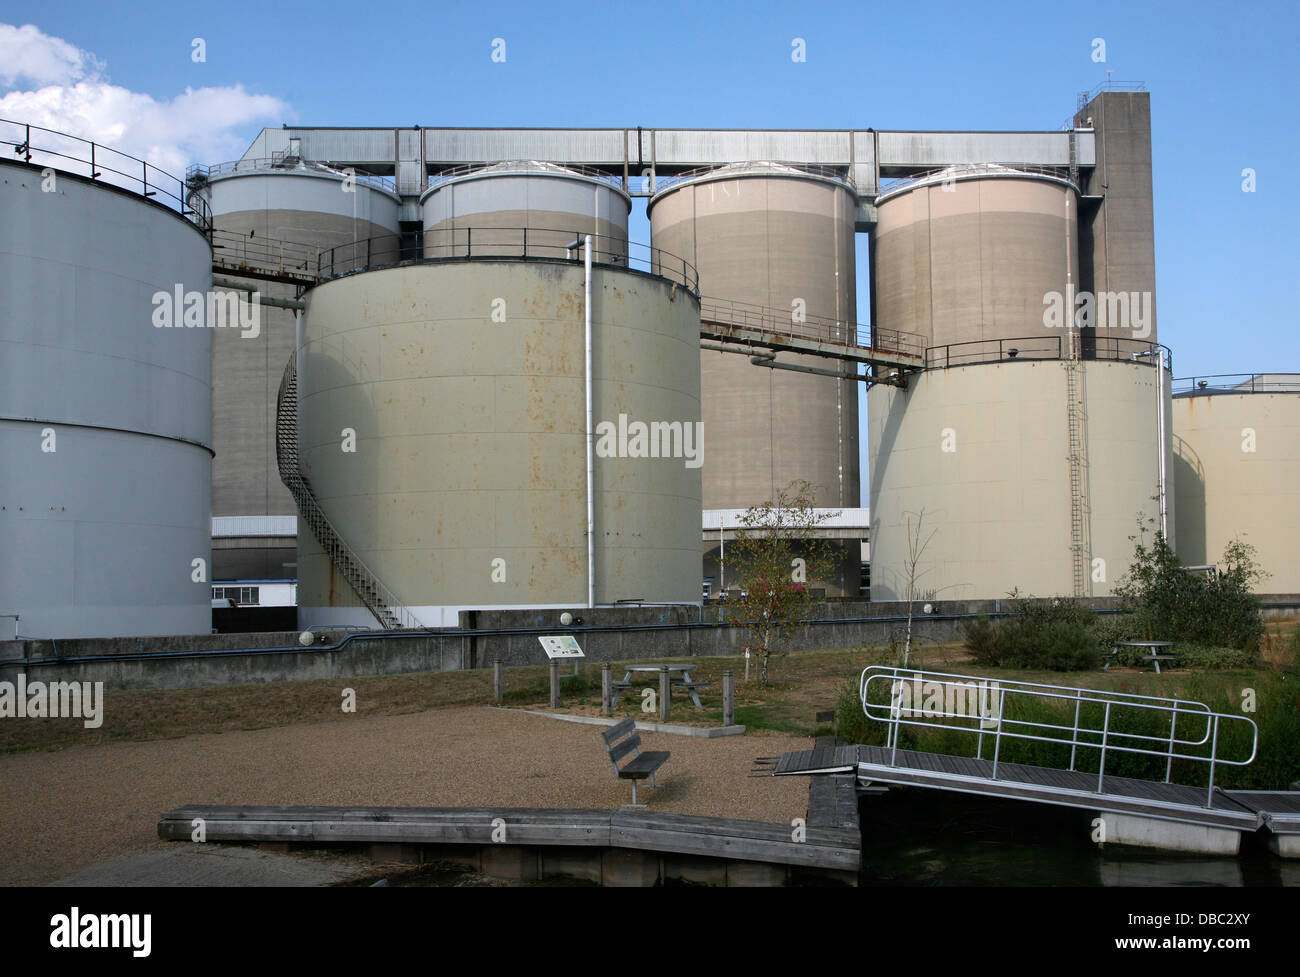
[(1089, 730), (727, 326)]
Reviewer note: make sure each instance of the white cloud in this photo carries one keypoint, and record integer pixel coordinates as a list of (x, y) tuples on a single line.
[(73, 95), (43, 60)]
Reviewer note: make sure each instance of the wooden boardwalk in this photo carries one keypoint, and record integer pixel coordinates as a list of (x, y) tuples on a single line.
[(1278, 810), (1239, 810), (826, 845)]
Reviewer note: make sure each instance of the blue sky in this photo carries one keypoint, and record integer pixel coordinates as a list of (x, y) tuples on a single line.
[(1221, 76)]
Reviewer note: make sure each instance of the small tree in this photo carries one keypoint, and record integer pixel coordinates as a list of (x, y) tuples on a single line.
[(1171, 603), (777, 553), (915, 550)]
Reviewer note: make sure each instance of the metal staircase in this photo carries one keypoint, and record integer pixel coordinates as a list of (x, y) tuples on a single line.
[(380, 601)]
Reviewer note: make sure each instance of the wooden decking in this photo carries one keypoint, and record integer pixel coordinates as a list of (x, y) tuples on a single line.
[(1279, 811), (824, 758), (1069, 788), (826, 846)]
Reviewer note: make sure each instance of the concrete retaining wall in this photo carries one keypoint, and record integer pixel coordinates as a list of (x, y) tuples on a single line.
[(606, 634)]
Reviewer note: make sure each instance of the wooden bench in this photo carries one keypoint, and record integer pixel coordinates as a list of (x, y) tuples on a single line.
[(622, 739)]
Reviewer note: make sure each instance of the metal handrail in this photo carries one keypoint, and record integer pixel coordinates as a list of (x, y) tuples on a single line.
[(524, 167), (1237, 383), (97, 160), (270, 254), (895, 718), (391, 613), (197, 174), (960, 171), (1043, 347), (781, 322), (1106, 86), (771, 167), (461, 243)]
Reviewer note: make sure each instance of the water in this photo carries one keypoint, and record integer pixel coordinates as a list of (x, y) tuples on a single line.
[(939, 838)]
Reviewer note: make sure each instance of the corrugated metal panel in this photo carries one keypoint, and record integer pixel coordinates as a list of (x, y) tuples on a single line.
[(680, 147), (590, 146), (254, 526), (360, 146), (942, 148), (692, 147), (410, 177), (1086, 147), (408, 144)]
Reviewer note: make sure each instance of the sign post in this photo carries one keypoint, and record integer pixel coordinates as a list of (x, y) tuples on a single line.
[(559, 647)]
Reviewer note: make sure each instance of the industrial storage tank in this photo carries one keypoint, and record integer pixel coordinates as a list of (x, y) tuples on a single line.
[(294, 216), (971, 472), (1021, 458), (1237, 471), (105, 402), (782, 238), (461, 385), (524, 207), (972, 254)]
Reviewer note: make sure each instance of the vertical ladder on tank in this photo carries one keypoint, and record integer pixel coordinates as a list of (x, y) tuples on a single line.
[(1077, 429), (378, 599)]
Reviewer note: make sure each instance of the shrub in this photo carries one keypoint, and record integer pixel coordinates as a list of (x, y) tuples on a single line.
[(1112, 628), (1054, 634), (851, 724), (981, 640), (1201, 656), (1172, 604)]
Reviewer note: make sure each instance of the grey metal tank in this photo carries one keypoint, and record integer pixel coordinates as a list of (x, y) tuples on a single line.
[(105, 411), (463, 382), (335, 218), (484, 210), (772, 235), (968, 254)]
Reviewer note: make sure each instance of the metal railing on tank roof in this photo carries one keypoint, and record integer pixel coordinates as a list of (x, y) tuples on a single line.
[(524, 167), (1238, 383), (488, 243), (197, 175), (82, 157), (839, 174), (1019, 348), (966, 171)]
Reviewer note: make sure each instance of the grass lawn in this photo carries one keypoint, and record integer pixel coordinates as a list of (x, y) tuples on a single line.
[(804, 684)]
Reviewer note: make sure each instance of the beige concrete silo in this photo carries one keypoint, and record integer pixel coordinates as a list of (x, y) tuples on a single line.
[(1237, 472), (968, 255), (774, 236), (467, 485), (1028, 449), (524, 207), (308, 213), (970, 468)]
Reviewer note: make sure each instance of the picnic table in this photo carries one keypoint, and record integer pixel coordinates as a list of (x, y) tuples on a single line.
[(1153, 652), (685, 682)]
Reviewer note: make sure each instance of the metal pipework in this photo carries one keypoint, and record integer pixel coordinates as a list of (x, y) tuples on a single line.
[(221, 281)]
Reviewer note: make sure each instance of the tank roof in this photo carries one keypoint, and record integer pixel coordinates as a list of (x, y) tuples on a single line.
[(973, 171)]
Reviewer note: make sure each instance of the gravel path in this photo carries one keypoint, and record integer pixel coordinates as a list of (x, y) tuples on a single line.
[(66, 810)]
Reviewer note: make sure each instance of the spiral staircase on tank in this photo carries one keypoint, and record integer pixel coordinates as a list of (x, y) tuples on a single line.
[(378, 599)]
